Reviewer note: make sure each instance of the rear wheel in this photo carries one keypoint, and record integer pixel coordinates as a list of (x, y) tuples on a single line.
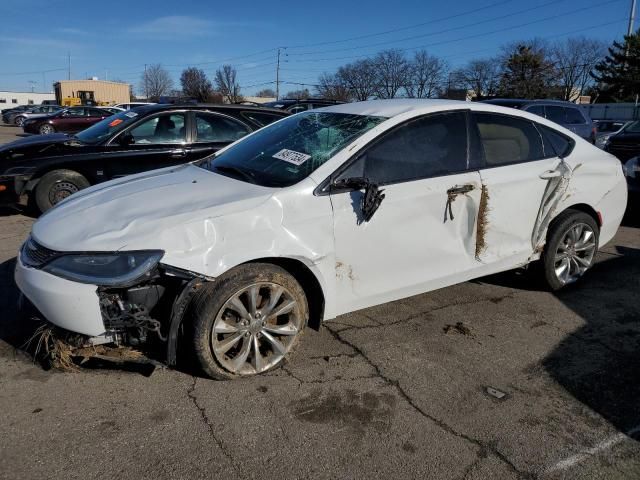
[(19, 121), (46, 129), (57, 185), (248, 321), (572, 243)]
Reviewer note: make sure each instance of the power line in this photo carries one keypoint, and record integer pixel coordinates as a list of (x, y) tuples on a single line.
[(447, 30), (469, 37), (430, 22)]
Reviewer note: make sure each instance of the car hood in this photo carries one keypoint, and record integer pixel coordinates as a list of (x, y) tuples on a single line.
[(34, 141), (163, 209)]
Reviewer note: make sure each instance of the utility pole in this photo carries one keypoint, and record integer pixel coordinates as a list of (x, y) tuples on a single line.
[(632, 17), (146, 89), (68, 65), (278, 76), (278, 72)]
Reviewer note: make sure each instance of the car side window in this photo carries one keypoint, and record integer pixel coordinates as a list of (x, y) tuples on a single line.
[(216, 128), (555, 144), (574, 117), (556, 114), (168, 128), (426, 147), (95, 112), (507, 139), (261, 118), (536, 109)]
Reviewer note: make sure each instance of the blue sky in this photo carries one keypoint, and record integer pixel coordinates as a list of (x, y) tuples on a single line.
[(115, 38)]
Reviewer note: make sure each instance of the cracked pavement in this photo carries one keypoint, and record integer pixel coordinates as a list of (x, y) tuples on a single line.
[(385, 392)]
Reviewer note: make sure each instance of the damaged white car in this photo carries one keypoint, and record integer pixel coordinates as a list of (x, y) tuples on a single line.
[(319, 214)]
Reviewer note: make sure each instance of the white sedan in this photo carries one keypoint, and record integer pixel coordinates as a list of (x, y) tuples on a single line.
[(317, 215)]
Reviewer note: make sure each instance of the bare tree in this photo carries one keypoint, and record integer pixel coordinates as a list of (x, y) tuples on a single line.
[(333, 87), (575, 59), (392, 72), (156, 82), (267, 92), (195, 84), (425, 76), (227, 84), (359, 77), (482, 77), (298, 94)]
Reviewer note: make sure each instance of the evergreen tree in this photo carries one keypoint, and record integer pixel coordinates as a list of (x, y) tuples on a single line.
[(618, 74), (526, 73)]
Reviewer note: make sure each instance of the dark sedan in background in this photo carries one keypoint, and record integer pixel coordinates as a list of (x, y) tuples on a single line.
[(49, 168), (626, 143), (69, 120)]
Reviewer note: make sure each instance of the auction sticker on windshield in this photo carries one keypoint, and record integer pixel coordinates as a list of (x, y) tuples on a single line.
[(292, 156)]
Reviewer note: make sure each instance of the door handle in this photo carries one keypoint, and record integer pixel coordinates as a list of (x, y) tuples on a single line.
[(460, 189), (549, 174), (178, 153)]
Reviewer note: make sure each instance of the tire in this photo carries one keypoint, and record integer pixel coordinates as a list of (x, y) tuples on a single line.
[(46, 129), (572, 243), (56, 185), (212, 306), (18, 121)]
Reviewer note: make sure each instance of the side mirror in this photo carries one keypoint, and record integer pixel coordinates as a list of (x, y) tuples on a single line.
[(126, 139), (371, 199)]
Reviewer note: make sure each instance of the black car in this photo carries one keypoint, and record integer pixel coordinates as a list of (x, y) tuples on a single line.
[(20, 108), (626, 143), (49, 168), (295, 106)]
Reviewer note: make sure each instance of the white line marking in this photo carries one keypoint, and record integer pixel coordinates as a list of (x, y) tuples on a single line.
[(585, 454)]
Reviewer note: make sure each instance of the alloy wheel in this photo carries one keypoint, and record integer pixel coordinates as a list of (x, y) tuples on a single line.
[(256, 328), (46, 129), (575, 253)]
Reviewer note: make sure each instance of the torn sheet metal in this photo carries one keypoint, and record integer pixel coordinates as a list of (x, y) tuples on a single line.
[(553, 194)]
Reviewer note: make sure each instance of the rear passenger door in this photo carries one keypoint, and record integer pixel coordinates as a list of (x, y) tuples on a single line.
[(213, 131), (515, 173)]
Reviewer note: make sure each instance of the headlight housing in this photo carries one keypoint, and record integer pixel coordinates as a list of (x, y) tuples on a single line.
[(105, 269), (631, 168)]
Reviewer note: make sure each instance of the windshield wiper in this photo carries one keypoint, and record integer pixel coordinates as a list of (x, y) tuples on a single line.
[(237, 172)]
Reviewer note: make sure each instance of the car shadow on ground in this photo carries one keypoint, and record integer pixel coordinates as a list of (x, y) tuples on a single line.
[(8, 211), (599, 363)]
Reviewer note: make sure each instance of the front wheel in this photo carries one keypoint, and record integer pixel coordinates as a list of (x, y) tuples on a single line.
[(572, 243), (57, 185), (248, 321), (46, 129), (18, 121)]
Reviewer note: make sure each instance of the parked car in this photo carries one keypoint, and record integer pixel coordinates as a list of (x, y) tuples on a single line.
[(293, 105), (317, 215), (8, 111), (68, 120), (632, 173), (50, 167), (606, 128), (625, 144), (567, 114), (130, 105), (49, 102), (18, 118)]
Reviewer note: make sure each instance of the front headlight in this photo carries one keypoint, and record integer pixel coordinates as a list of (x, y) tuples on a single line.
[(631, 167), (602, 141), (105, 269)]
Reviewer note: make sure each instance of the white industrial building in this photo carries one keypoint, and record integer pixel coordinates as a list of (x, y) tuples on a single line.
[(13, 99)]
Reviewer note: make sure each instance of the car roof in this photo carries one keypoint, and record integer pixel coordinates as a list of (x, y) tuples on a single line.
[(391, 108), (523, 101), (159, 107)]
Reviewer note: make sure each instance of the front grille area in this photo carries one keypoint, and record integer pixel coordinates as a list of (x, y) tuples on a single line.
[(35, 255)]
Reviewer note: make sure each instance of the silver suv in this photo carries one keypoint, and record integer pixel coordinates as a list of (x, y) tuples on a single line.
[(567, 114)]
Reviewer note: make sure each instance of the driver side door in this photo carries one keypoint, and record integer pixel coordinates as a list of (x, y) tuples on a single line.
[(155, 142), (423, 234)]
